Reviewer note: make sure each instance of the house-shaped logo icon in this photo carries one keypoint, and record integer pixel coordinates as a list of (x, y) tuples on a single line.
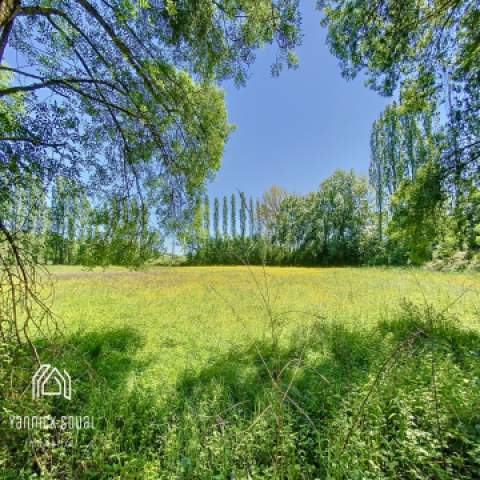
[(48, 381)]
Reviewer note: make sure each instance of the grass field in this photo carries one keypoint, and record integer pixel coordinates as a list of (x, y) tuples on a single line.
[(188, 316), (285, 373)]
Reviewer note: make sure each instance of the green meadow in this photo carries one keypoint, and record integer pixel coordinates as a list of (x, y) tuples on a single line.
[(253, 373), (186, 317)]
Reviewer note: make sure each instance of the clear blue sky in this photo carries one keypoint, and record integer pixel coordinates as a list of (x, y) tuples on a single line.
[(294, 131)]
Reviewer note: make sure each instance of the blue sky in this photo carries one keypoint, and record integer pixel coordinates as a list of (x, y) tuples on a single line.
[(294, 131)]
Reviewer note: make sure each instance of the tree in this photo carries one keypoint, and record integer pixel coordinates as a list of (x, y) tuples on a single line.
[(233, 215), (57, 222), (258, 226), (206, 215), (193, 236), (417, 214), (225, 217), (401, 142), (327, 226), (343, 200), (243, 215), (377, 176), (84, 227), (292, 228), (270, 207), (251, 217), (123, 78), (216, 218)]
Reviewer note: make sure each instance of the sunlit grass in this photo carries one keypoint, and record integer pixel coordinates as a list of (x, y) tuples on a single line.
[(282, 373), (188, 316)]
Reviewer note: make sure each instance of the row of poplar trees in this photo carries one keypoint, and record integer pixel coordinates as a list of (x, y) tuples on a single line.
[(328, 227), (427, 203), (64, 226), (227, 232)]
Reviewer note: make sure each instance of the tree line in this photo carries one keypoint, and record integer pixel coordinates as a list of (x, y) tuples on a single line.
[(64, 225), (407, 211), (326, 227)]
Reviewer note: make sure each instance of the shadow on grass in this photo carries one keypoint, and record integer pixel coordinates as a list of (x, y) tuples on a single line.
[(318, 368), (233, 418), (98, 360), (321, 399), (315, 369)]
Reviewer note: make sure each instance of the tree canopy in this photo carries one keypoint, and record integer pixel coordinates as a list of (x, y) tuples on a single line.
[(124, 92), (429, 50)]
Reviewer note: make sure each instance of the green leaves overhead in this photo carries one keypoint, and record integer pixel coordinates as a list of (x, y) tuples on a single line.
[(140, 77), (391, 40), (425, 51)]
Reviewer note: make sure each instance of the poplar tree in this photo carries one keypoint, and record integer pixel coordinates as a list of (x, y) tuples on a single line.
[(84, 220), (251, 217), (400, 143), (216, 218), (258, 218), (40, 226), (243, 214), (225, 217), (57, 223), (233, 215), (71, 225), (206, 215), (376, 176)]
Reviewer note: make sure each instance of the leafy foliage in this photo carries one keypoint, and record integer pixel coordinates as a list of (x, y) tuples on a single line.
[(418, 214), (326, 227), (121, 97)]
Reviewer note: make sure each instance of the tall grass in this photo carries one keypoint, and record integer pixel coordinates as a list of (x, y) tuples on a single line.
[(329, 399)]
